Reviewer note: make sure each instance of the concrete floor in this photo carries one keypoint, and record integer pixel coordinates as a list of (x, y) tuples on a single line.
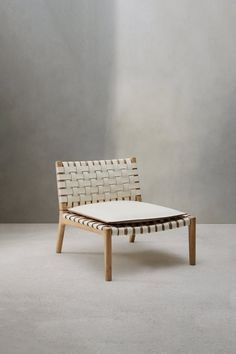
[(156, 303)]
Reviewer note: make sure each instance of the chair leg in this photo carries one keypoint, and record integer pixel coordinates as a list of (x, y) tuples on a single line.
[(108, 255), (132, 238), (61, 230), (192, 241)]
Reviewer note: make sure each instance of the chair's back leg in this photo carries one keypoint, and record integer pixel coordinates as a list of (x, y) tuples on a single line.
[(138, 198), (192, 241), (132, 238), (108, 255)]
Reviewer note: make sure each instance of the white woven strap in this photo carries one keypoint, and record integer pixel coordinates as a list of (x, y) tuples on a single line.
[(82, 182), (128, 230)]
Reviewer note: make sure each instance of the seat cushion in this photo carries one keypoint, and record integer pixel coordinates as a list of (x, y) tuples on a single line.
[(114, 212), (128, 229)]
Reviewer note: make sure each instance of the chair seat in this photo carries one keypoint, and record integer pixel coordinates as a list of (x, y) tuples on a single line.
[(131, 228)]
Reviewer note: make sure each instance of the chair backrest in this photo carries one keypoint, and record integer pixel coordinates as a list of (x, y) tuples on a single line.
[(83, 182)]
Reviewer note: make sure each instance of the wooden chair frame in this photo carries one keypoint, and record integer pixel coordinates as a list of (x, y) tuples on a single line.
[(106, 232)]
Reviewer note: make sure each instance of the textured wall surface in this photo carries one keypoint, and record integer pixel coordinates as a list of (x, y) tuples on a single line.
[(56, 61), (101, 79)]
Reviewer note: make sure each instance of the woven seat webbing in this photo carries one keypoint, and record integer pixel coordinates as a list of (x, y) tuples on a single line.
[(130, 229)]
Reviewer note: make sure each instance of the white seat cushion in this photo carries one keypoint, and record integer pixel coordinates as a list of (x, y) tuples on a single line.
[(114, 212)]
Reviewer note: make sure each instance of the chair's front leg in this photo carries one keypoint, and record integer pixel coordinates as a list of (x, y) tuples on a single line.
[(61, 230), (192, 241), (108, 255)]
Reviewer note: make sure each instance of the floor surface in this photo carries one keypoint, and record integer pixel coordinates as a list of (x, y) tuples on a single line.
[(156, 302)]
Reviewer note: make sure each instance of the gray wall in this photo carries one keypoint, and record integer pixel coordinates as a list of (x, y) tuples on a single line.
[(98, 79)]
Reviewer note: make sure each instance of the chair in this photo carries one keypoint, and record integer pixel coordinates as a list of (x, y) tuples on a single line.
[(82, 182)]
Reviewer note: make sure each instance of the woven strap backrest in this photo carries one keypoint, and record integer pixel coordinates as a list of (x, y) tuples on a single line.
[(83, 182)]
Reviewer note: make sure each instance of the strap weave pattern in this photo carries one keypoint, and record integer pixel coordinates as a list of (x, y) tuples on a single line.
[(131, 228), (82, 182)]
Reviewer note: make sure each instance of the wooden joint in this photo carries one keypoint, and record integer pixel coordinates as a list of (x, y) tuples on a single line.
[(58, 164), (63, 206), (138, 198), (133, 159)]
